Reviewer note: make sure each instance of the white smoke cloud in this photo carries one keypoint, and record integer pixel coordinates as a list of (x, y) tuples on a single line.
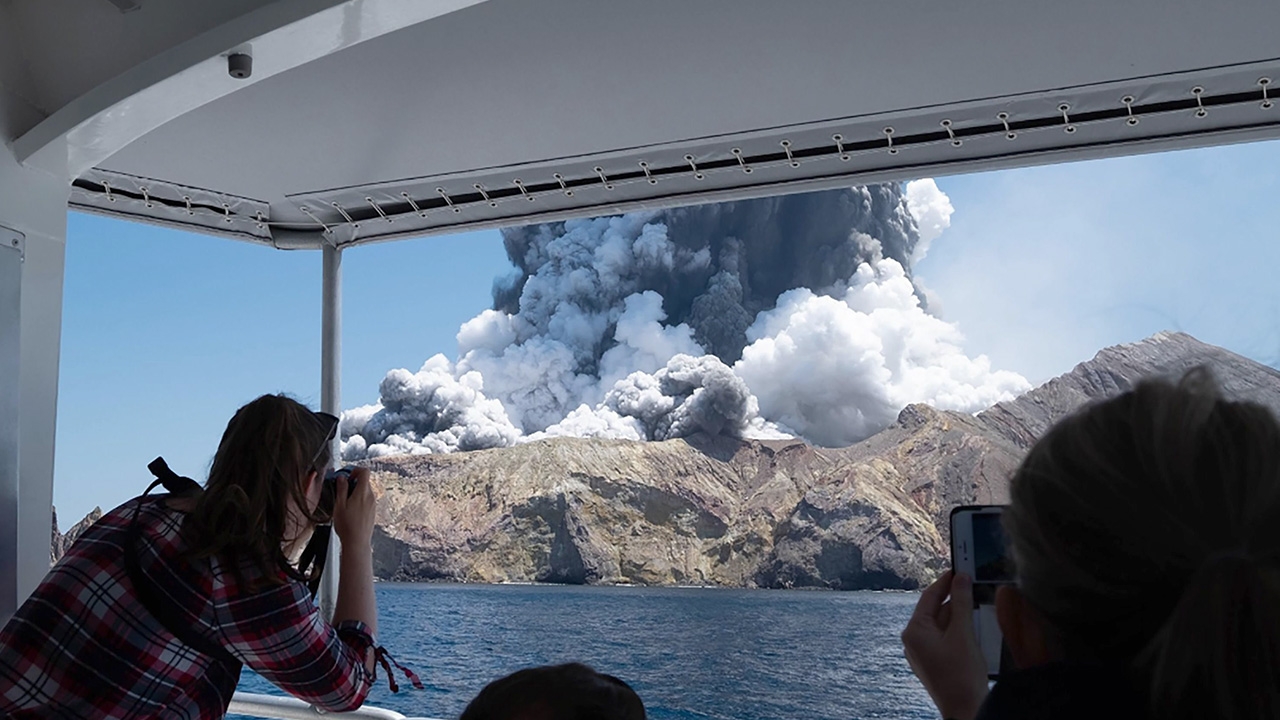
[(434, 410), (585, 346), (644, 343), (839, 369), (688, 395), (932, 211), (599, 422)]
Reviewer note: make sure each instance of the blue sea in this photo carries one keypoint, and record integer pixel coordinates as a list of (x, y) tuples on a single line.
[(689, 653)]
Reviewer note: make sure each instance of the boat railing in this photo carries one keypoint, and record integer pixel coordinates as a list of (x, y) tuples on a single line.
[(287, 708)]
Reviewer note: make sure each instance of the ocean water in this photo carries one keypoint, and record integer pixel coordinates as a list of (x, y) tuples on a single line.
[(689, 653)]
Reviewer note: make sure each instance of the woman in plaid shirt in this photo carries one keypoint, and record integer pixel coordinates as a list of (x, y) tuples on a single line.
[(84, 645)]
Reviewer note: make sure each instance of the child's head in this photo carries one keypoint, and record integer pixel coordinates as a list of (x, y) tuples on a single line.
[(556, 692), (1146, 534), (264, 483)]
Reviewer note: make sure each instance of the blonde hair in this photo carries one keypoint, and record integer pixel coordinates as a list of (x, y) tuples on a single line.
[(1146, 530)]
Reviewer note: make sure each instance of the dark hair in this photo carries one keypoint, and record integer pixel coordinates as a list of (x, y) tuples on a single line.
[(556, 692), (266, 453), (1146, 530)]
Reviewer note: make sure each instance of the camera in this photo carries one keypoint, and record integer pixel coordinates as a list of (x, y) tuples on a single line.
[(240, 65), (329, 489)]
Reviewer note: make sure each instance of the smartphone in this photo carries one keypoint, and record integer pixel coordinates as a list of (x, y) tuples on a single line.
[(978, 549)]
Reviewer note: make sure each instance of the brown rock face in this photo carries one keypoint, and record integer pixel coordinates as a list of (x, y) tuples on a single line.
[(704, 511), (719, 511)]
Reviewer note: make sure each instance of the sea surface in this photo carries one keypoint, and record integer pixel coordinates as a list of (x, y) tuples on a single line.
[(690, 653)]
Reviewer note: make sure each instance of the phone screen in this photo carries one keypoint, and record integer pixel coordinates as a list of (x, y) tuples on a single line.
[(978, 549)]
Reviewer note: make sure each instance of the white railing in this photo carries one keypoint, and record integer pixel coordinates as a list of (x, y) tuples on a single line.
[(271, 706)]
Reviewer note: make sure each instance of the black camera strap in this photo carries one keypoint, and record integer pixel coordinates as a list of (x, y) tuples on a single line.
[(148, 594), (311, 561)]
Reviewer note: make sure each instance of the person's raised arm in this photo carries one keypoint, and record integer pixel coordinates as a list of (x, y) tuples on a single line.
[(353, 518), (279, 633)]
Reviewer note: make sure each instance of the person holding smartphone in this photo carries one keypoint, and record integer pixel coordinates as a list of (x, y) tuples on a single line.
[(979, 552), (1145, 534), (155, 609)]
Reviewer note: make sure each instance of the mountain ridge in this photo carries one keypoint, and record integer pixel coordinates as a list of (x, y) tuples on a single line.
[(745, 513), (1117, 368)]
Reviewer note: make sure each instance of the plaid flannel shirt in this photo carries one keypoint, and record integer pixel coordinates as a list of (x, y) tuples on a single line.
[(84, 646)]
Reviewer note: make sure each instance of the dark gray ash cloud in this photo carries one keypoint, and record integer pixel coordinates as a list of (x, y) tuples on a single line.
[(734, 259)]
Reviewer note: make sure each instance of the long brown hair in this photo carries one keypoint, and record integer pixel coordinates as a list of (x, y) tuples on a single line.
[(1146, 530), (267, 451)]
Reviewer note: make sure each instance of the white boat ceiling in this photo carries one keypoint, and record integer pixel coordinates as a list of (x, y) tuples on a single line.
[(483, 114)]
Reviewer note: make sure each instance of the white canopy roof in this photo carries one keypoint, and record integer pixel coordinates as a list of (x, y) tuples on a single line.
[(373, 119)]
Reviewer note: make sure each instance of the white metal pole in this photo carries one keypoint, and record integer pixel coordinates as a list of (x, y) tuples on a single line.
[(33, 211), (331, 396), (11, 249)]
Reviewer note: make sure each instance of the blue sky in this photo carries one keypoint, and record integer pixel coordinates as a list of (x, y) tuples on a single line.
[(165, 333), (1044, 266)]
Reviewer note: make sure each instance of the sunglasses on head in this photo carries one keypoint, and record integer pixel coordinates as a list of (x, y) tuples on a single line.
[(330, 423)]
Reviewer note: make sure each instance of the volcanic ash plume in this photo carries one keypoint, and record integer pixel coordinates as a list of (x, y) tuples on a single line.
[(839, 368), (759, 318), (437, 409)]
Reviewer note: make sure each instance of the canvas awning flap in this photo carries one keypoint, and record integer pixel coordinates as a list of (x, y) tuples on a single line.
[(1098, 121)]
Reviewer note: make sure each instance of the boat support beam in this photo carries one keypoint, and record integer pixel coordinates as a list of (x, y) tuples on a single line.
[(331, 396), (11, 251), (33, 227)]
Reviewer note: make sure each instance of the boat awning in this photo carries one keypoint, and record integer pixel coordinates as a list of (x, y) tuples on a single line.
[(470, 115)]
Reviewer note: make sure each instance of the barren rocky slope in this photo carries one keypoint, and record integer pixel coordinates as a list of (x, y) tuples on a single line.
[(698, 511), (1116, 369), (720, 511)]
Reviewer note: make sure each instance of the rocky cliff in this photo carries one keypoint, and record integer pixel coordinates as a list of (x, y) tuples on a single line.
[(695, 511), (61, 542), (705, 511), (719, 511)]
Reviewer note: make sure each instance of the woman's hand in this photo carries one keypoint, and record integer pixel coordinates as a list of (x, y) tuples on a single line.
[(941, 648), (353, 522), (353, 511)]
